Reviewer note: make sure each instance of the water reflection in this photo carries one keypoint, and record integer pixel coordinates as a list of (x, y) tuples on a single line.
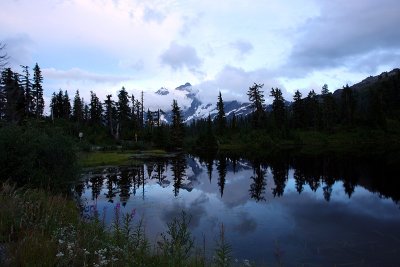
[(312, 172), (257, 188), (313, 207)]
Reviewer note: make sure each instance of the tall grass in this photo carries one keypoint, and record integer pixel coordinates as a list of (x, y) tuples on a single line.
[(39, 229)]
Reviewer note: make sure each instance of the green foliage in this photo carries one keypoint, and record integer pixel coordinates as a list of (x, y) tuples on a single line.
[(177, 127), (37, 157), (256, 98), (222, 251), (37, 91), (278, 108), (177, 244), (38, 229), (221, 118)]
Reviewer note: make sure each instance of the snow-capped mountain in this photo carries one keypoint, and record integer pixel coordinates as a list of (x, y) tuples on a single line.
[(193, 108)]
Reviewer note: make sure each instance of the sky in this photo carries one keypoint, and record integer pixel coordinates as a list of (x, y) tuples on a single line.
[(227, 46)]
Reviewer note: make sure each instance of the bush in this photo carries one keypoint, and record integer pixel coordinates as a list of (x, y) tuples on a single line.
[(37, 158)]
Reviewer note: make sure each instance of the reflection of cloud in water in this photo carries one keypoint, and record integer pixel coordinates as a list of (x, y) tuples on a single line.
[(234, 195), (195, 210), (246, 224)]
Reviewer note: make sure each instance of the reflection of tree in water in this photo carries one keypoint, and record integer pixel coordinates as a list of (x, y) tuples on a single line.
[(150, 168), (111, 190), (160, 168), (124, 184), (79, 188), (300, 180), (178, 167), (210, 163), (97, 184), (257, 188), (234, 159), (279, 171), (221, 167)]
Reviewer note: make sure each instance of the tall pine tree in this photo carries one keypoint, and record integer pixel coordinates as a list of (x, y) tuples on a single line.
[(278, 108), (37, 91), (77, 109), (177, 127), (256, 97), (221, 118)]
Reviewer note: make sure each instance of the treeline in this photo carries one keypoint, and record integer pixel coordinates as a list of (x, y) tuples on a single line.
[(107, 121), (374, 106), (20, 96)]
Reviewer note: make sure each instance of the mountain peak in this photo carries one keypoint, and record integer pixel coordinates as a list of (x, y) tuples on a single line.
[(184, 87), (162, 91)]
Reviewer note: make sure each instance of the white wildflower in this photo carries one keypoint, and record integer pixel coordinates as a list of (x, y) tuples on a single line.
[(59, 254)]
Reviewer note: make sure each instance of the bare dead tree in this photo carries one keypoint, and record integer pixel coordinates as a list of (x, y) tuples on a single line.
[(3, 56)]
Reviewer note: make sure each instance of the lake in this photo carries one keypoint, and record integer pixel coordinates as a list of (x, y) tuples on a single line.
[(294, 210)]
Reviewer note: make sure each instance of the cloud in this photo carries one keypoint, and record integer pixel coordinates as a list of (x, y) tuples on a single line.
[(233, 82), (152, 15), (345, 31), (189, 22), (195, 210), (76, 74), (246, 224), (243, 47), (180, 56)]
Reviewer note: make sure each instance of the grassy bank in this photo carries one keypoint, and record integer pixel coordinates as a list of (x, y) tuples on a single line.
[(105, 158)]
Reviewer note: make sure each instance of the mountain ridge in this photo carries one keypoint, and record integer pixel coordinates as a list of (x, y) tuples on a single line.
[(199, 110)]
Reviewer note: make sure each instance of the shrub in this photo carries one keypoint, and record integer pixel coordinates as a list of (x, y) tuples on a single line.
[(37, 158)]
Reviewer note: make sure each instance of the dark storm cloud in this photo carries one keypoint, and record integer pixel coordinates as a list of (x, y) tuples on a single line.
[(346, 30), (180, 56)]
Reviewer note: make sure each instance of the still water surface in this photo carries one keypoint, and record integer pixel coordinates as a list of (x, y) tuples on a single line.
[(315, 211)]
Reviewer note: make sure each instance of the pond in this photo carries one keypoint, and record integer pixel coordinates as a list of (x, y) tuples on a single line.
[(298, 211)]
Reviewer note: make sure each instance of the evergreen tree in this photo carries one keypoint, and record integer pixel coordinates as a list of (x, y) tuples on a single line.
[(86, 112), (149, 119), (124, 111), (95, 109), (66, 106), (256, 97), (110, 114), (37, 91), (177, 127), (234, 121), (221, 119), (77, 109), (278, 107), (311, 107), (297, 110), (3, 100), (13, 99), (134, 114), (206, 140), (138, 107), (328, 108), (27, 85), (60, 105)]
